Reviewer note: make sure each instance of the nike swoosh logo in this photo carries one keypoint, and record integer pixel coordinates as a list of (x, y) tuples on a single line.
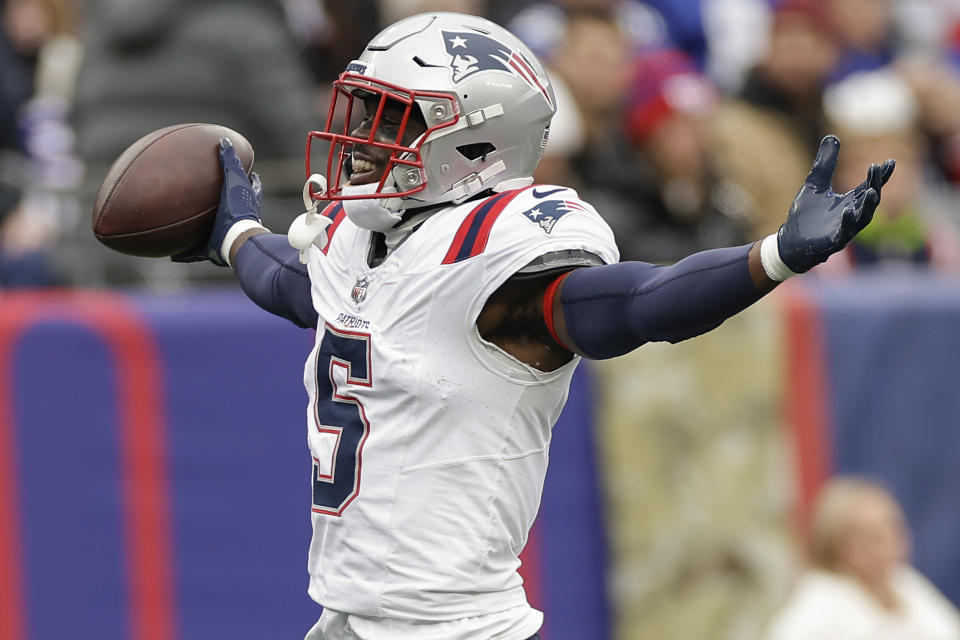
[(544, 194)]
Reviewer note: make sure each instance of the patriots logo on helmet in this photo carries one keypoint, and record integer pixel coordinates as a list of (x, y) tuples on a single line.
[(547, 213), (472, 53)]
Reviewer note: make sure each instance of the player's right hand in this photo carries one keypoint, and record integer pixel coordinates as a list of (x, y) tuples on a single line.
[(821, 221), (240, 199)]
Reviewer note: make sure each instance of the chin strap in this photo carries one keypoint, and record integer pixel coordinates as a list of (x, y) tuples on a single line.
[(308, 228), (475, 182)]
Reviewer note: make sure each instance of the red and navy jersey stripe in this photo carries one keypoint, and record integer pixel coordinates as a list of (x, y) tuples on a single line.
[(335, 212), (471, 238)]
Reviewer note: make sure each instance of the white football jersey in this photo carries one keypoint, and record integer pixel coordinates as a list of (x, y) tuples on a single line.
[(430, 444)]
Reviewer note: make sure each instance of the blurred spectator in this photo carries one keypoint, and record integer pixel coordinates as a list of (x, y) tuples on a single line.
[(44, 119), (38, 55), (936, 86), (926, 25), (661, 191), (328, 32), (874, 113), (685, 27), (25, 242), (953, 45), (860, 585), (595, 63), (17, 63), (150, 64), (737, 36), (866, 32), (647, 23), (393, 10), (767, 135), (548, 27)]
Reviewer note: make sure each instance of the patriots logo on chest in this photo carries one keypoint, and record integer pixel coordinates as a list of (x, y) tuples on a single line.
[(471, 52), (547, 213)]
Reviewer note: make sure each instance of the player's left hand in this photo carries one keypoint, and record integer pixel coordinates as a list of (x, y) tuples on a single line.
[(240, 199), (820, 221)]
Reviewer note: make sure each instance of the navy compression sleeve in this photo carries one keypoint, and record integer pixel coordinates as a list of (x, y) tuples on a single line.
[(271, 275), (611, 310)]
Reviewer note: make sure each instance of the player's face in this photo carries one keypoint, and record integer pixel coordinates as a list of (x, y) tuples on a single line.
[(367, 161)]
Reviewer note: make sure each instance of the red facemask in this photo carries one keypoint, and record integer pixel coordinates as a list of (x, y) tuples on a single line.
[(341, 117)]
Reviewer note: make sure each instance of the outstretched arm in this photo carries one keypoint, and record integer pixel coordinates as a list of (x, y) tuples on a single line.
[(602, 312)]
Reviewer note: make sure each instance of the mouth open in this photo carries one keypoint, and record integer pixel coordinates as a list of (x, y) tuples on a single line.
[(364, 170)]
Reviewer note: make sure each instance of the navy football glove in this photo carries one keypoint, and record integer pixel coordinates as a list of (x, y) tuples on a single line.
[(240, 199), (821, 222)]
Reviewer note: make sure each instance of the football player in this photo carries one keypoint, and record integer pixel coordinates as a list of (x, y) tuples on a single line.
[(453, 299)]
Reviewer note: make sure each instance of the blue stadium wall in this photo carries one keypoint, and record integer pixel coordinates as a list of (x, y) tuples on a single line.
[(154, 476), (873, 389)]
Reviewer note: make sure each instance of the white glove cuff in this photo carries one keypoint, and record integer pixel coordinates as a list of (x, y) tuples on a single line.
[(773, 265), (234, 232)]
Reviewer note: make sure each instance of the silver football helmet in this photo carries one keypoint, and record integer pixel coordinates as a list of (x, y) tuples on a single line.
[(485, 100)]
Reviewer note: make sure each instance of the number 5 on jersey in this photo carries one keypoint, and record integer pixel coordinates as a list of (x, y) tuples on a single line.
[(343, 360)]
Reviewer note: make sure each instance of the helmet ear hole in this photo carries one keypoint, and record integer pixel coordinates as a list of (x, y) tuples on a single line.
[(476, 150)]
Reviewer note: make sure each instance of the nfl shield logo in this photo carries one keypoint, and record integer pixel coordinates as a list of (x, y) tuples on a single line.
[(359, 292)]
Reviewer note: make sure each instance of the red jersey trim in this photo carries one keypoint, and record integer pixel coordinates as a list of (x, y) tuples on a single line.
[(335, 212), (548, 297), (474, 232)]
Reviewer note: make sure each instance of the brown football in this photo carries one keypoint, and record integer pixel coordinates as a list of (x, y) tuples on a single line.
[(160, 197)]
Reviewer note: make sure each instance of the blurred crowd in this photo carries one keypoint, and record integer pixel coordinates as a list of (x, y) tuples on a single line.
[(688, 123)]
